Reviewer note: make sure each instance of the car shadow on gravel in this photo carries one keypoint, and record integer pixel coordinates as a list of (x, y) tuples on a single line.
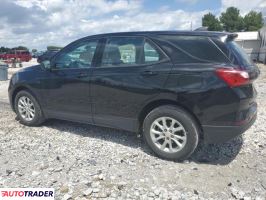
[(213, 154), (218, 154)]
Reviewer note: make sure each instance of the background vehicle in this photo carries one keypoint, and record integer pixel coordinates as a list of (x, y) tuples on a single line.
[(47, 55), (18, 55), (37, 54), (174, 87)]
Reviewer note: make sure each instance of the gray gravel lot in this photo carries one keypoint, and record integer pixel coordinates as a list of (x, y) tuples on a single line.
[(88, 162)]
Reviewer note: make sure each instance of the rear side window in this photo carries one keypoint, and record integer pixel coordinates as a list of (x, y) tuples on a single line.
[(196, 49), (128, 51), (122, 51)]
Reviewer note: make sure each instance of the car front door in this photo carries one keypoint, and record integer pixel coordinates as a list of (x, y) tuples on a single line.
[(66, 89), (132, 70)]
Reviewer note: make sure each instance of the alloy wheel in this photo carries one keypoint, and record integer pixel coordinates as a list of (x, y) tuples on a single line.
[(168, 134), (26, 108)]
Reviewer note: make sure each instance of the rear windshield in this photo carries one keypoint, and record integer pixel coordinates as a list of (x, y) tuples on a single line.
[(239, 53)]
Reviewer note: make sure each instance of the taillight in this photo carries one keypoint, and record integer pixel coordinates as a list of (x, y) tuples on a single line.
[(233, 77)]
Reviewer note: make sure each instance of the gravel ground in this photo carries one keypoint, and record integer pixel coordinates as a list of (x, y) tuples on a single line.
[(88, 162)]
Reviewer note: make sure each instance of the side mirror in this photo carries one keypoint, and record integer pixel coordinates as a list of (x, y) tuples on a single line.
[(46, 64)]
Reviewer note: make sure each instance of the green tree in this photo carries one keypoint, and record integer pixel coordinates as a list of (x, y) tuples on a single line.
[(253, 21), (209, 20), (34, 50), (20, 48), (4, 49), (231, 20)]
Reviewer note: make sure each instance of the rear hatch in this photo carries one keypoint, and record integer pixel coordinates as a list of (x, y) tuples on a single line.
[(246, 72)]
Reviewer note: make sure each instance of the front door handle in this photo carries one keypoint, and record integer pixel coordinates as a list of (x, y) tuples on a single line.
[(82, 75), (149, 73)]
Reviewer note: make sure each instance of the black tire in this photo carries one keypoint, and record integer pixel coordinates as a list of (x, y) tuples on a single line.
[(185, 119), (38, 117)]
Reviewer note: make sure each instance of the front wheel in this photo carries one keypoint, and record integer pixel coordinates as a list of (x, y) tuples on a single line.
[(171, 132), (28, 109)]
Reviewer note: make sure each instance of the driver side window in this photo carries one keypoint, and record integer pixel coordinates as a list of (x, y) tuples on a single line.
[(80, 56)]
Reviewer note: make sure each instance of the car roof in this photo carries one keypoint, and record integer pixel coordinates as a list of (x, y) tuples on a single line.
[(154, 33)]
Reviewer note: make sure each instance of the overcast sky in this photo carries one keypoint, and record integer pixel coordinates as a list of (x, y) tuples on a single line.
[(38, 23)]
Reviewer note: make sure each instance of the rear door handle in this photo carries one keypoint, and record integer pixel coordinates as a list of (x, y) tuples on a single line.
[(149, 73)]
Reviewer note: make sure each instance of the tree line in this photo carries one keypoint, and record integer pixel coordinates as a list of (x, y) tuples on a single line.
[(232, 21), (6, 49)]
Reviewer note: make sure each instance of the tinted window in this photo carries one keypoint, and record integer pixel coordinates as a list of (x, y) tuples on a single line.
[(150, 53), (79, 56), (194, 49), (239, 53), (120, 51), (226, 50), (128, 53)]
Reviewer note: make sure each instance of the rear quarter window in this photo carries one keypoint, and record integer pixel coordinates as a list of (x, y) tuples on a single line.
[(195, 49), (150, 53)]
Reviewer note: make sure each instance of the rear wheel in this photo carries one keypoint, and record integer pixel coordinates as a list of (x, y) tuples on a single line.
[(171, 132), (28, 109)]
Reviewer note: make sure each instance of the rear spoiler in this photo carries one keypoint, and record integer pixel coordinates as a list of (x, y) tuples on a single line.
[(232, 36), (229, 37)]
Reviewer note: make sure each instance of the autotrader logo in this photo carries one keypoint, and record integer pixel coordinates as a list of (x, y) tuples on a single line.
[(27, 193)]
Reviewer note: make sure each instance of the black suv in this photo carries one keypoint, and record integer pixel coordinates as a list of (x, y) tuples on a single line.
[(173, 87)]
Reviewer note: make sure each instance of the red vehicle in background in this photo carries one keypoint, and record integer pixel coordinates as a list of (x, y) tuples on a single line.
[(16, 55)]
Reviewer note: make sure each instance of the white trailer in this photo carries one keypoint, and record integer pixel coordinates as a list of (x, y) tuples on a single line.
[(262, 53), (250, 42)]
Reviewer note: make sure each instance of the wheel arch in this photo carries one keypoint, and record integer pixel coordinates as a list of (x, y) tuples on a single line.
[(162, 102), (17, 90)]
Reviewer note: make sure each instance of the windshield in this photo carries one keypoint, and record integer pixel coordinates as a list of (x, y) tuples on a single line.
[(239, 53)]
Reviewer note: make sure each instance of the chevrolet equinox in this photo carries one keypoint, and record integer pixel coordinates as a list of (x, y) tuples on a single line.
[(174, 87)]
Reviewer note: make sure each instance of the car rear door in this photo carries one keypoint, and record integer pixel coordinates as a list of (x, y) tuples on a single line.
[(130, 72)]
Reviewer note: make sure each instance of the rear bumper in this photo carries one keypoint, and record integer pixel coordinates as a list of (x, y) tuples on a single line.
[(220, 134)]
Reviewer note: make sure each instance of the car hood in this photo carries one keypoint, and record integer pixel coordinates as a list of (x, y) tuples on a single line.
[(31, 68)]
